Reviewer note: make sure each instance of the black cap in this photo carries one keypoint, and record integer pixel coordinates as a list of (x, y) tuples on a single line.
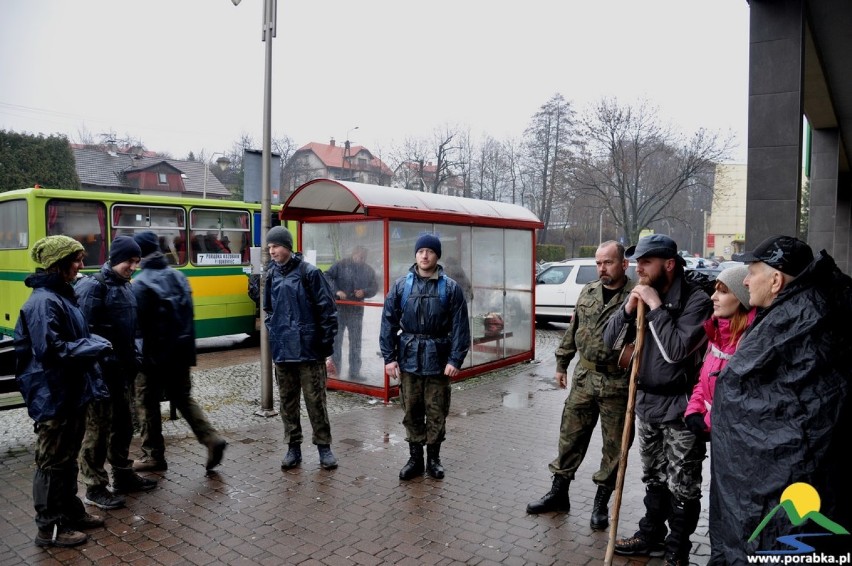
[(655, 245), (785, 253)]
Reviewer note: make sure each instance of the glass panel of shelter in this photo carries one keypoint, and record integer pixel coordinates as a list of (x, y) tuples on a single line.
[(326, 244)]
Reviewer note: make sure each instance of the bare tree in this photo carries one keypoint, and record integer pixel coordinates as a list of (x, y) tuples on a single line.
[(548, 151), (636, 168), (492, 171), (447, 151)]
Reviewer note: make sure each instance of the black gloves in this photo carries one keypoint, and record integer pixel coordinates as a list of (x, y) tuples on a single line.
[(695, 424)]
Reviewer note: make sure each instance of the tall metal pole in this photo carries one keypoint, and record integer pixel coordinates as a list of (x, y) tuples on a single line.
[(270, 9)]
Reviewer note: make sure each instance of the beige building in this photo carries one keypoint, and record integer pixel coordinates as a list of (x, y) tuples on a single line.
[(726, 225)]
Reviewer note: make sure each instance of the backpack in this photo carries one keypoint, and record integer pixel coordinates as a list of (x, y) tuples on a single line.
[(409, 283), (699, 280)]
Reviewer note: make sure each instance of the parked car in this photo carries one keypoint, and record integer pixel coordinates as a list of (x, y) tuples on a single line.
[(558, 287)]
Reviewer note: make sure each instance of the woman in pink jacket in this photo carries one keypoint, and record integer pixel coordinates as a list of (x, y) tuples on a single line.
[(731, 316)]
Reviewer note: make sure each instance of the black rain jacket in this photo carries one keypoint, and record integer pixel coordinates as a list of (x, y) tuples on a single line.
[(781, 415)]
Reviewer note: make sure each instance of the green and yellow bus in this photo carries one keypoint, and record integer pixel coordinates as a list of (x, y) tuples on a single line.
[(210, 241)]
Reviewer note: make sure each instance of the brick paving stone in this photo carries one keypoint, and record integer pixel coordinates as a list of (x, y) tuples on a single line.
[(501, 434)]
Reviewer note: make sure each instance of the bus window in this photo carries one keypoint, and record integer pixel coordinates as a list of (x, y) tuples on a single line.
[(82, 220), (14, 232), (167, 222), (219, 237)]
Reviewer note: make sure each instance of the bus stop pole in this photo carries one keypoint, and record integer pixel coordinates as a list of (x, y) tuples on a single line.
[(269, 17)]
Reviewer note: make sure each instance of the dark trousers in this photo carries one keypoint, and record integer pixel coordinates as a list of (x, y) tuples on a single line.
[(109, 431), (426, 401), (177, 385), (308, 378), (55, 478), (349, 318)]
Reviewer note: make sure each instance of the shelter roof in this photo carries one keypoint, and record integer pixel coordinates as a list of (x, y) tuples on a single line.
[(327, 197)]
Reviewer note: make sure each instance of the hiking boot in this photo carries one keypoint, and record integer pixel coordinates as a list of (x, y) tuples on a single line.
[(60, 536), (600, 509), (293, 457), (433, 461), (674, 560), (150, 464), (125, 480), (87, 521), (215, 451), (101, 497), (638, 546), (414, 467), (554, 500), (327, 459)]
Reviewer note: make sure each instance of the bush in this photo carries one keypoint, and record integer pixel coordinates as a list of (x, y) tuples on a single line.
[(549, 252), (587, 251)]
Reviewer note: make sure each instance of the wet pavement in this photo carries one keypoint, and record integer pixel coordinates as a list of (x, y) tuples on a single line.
[(501, 434)]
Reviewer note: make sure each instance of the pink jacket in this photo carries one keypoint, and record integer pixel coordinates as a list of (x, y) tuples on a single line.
[(719, 351)]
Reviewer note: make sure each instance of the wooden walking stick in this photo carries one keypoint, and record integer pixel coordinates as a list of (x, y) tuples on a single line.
[(628, 428)]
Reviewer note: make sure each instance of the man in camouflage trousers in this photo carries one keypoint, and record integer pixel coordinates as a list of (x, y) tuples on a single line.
[(301, 317), (599, 388), (674, 344), (424, 339)]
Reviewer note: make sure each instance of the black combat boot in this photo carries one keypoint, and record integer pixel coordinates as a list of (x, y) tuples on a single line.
[(682, 523), (554, 500), (293, 457), (414, 467), (433, 461), (600, 510), (125, 480)]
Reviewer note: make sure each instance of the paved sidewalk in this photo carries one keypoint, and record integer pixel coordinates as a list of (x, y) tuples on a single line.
[(501, 434)]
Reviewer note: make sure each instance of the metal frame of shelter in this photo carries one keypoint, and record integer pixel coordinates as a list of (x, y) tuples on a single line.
[(330, 201)]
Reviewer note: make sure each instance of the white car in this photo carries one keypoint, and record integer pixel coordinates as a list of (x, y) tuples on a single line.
[(558, 287)]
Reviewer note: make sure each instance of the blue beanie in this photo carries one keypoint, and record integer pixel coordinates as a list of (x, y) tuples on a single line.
[(122, 249), (148, 242), (428, 241)]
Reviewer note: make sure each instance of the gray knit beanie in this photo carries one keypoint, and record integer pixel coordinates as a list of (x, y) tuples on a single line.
[(733, 278), (280, 236)]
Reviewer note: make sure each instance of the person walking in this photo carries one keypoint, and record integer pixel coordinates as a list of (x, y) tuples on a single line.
[(674, 344), (352, 280), (424, 339), (599, 389), (781, 410), (301, 319), (109, 307), (167, 329), (58, 375)]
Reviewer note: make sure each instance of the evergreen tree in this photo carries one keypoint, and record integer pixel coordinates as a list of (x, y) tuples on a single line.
[(27, 160)]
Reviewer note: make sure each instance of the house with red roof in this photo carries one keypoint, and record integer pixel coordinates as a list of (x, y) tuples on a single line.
[(345, 162)]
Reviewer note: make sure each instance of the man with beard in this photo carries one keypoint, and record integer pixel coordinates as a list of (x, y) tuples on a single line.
[(599, 388), (673, 348)]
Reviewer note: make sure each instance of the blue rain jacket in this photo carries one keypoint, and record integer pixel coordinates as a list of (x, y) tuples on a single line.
[(57, 358)]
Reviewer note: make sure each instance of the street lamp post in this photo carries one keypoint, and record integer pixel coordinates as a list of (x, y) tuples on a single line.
[(270, 14), (600, 227), (222, 162)]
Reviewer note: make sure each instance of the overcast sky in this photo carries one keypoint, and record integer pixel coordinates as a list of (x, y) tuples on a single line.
[(187, 75)]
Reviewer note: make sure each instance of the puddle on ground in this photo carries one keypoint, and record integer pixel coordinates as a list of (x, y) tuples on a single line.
[(516, 399)]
